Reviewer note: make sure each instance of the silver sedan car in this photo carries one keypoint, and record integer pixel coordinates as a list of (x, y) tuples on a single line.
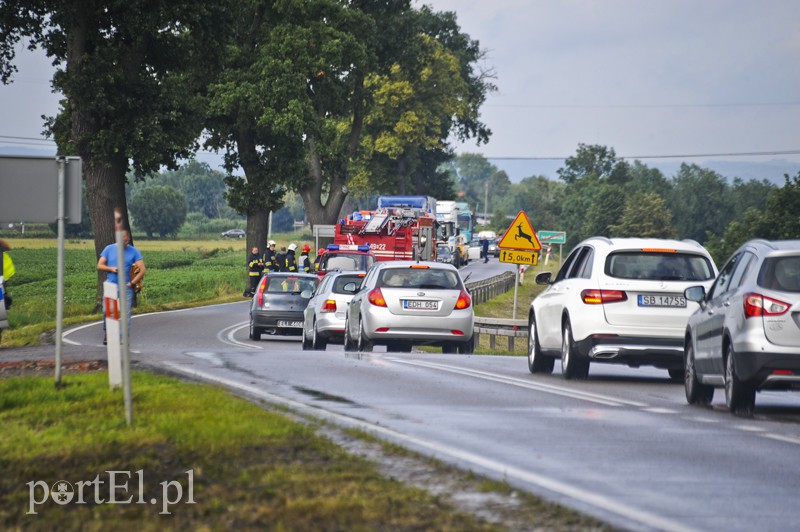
[(405, 303), (324, 316)]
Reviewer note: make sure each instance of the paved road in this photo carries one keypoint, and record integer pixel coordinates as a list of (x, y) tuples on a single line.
[(623, 446)]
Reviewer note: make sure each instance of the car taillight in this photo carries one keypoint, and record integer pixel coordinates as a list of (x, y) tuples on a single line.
[(261, 287), (464, 301), (600, 297), (329, 306), (376, 298), (758, 305)]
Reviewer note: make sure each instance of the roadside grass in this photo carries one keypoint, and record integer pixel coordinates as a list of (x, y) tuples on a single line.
[(251, 468)]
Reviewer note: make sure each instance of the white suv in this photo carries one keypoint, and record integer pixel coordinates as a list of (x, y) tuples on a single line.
[(617, 301)]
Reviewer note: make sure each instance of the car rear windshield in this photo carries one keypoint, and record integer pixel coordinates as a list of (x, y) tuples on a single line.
[(780, 273), (346, 262), (419, 278), (289, 284), (653, 266), (342, 280)]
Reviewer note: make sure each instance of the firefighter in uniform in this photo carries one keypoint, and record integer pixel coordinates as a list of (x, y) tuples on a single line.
[(290, 262), (270, 259), (304, 264), (254, 269)]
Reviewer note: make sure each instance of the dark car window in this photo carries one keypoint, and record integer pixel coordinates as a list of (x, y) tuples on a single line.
[(655, 266), (419, 278), (290, 284), (583, 265), (724, 280), (780, 273), (745, 264), (562, 273)]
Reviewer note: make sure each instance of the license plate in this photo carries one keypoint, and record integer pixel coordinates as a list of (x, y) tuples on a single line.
[(416, 304), (293, 324), (660, 300)]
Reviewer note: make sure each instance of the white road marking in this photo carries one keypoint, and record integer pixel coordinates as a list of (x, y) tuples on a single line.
[(657, 410), (778, 437), (595, 499), (542, 387), (226, 335), (749, 428)]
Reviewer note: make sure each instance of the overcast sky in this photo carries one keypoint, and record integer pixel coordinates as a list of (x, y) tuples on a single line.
[(645, 77)]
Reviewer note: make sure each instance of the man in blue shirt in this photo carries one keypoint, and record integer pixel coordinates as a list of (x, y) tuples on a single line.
[(108, 263)]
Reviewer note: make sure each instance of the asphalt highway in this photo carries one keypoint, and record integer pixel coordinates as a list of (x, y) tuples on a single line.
[(623, 445)]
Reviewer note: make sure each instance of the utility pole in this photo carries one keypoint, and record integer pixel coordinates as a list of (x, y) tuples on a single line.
[(486, 203)]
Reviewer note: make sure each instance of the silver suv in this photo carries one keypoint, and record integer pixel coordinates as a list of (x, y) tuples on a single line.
[(617, 301), (746, 334)]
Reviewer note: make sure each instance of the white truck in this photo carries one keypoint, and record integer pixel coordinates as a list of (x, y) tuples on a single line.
[(447, 232)]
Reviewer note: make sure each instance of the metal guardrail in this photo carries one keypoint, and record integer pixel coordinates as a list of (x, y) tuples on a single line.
[(485, 290)]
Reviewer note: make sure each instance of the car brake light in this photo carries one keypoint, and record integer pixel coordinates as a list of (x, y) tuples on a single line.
[(658, 250), (376, 298), (464, 301), (600, 297), (261, 288), (758, 305), (419, 266), (329, 306)]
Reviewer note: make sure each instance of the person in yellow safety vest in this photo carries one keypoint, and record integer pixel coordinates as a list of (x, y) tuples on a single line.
[(304, 264), (254, 269), (8, 271), (270, 259), (290, 262), (320, 251)]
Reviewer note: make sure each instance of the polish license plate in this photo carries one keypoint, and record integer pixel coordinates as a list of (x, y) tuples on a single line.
[(293, 324), (661, 300), (415, 304)]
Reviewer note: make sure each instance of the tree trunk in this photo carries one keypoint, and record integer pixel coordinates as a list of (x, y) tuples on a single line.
[(316, 212)]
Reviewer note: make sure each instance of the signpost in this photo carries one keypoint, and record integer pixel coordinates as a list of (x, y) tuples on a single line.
[(519, 245), (553, 237)]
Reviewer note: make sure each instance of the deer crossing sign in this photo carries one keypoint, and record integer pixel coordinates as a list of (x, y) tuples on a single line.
[(520, 236)]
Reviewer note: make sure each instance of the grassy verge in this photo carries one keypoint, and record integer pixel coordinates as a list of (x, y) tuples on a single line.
[(246, 467)]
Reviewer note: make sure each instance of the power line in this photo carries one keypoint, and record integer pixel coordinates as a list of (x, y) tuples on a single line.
[(643, 106), (670, 156), (31, 139)]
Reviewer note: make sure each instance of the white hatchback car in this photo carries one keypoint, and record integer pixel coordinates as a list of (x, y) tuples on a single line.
[(617, 301)]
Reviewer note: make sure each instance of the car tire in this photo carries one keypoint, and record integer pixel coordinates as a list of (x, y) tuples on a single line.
[(318, 343), (364, 344), (696, 392), (255, 332), (306, 342), (400, 347), (537, 362), (468, 347), (573, 366), (740, 397), (348, 341), (448, 348)]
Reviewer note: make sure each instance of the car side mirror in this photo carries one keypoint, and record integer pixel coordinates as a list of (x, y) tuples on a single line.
[(695, 293), (544, 278), (351, 288)]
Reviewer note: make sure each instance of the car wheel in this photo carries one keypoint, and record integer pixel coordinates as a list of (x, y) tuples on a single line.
[(696, 393), (572, 365), (739, 396), (318, 343), (364, 344), (448, 348), (348, 341), (468, 347), (537, 362), (306, 341), (255, 332)]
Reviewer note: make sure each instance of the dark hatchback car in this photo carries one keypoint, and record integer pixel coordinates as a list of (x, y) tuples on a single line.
[(279, 303), (233, 233)]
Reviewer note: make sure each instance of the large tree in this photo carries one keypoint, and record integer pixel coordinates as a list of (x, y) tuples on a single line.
[(132, 74)]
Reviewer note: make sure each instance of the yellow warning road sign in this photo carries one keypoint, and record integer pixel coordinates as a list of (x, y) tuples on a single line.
[(520, 235)]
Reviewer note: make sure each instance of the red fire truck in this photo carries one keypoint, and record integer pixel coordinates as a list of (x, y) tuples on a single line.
[(390, 233)]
